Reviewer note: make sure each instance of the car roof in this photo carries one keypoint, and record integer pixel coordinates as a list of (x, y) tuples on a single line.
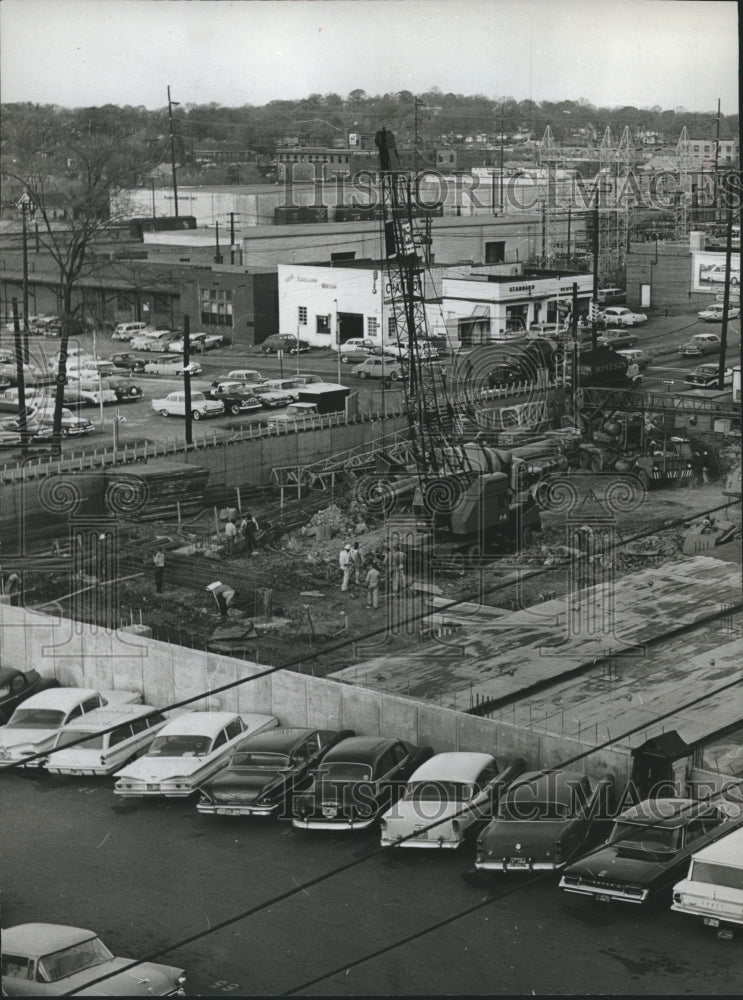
[(725, 851), (33, 940), (279, 740), (453, 766), (61, 698), (111, 715), (555, 786), (664, 812), (199, 723), (359, 749), (8, 673)]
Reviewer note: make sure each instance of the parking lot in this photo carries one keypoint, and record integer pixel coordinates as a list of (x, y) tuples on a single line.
[(146, 874)]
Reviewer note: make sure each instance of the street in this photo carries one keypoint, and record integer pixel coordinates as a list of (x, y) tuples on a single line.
[(146, 874)]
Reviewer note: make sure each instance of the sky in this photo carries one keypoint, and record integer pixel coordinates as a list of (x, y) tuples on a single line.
[(74, 53)]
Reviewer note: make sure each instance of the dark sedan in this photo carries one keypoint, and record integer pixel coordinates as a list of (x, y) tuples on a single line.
[(544, 820), (129, 362), (17, 685), (618, 338), (648, 850), (126, 391), (269, 769), (238, 400), (358, 779)]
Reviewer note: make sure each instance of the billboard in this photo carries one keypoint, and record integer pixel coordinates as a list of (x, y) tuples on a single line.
[(708, 272)]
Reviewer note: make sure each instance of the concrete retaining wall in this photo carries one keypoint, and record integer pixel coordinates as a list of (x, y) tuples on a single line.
[(83, 655)]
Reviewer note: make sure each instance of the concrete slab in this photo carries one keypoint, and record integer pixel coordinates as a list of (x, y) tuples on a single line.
[(504, 655)]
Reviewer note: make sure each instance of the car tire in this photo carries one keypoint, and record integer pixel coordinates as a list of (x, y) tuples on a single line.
[(164, 413), (733, 280), (394, 377), (235, 409), (362, 375), (134, 391), (344, 359), (195, 415)]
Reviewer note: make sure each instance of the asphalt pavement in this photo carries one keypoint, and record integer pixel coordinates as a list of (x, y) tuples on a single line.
[(145, 875)]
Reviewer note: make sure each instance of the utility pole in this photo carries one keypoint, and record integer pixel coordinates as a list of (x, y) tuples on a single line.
[(217, 255), (595, 293), (717, 160), (27, 207), (187, 377), (21, 378), (574, 355), (417, 103), (172, 150), (725, 302), (502, 153), (232, 238)]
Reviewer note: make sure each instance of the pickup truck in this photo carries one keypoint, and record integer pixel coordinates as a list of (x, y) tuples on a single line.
[(294, 416), (174, 405)]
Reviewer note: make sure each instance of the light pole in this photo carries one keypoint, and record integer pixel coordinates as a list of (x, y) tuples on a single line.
[(27, 207), (338, 339)]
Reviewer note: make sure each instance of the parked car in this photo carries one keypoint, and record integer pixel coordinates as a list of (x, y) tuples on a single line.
[(104, 752), (544, 820), (286, 342), (125, 331), (45, 326), (129, 362), (17, 686), (621, 316), (34, 396), (170, 365), (701, 343), (237, 399), (357, 780), (152, 340), (9, 371), (378, 367), (356, 344), (290, 385), (615, 337), (11, 437), (126, 391), (197, 342), (268, 770), (77, 357), (188, 751), (717, 274), (53, 960), (93, 392), (707, 377), (649, 846), (34, 725), (247, 375), (71, 426), (92, 368), (357, 355), (174, 405), (611, 296), (270, 398), (713, 886), (294, 415), (448, 795), (713, 312)]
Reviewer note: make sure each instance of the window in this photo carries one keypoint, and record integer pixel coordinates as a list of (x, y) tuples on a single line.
[(216, 306), (75, 713), (323, 324), (119, 735), (92, 703), (495, 252), (234, 729), (17, 967), (302, 315), (372, 326), (220, 740), (387, 762), (391, 326)]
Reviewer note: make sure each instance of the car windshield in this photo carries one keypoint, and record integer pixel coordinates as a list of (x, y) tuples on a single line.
[(646, 837), (259, 760), (36, 718), (94, 741), (70, 961), (530, 810), (439, 791), (345, 772), (4, 690), (180, 746)]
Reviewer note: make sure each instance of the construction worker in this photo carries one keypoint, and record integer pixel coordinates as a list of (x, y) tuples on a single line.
[(372, 586), (230, 537), (346, 567), (249, 531), (158, 561), (357, 561), (398, 561), (13, 589)]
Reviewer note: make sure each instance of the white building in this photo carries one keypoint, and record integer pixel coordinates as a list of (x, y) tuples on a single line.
[(468, 305)]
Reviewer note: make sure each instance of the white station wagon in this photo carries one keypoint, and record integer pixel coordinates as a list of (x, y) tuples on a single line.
[(444, 797), (187, 751), (105, 752), (35, 724)]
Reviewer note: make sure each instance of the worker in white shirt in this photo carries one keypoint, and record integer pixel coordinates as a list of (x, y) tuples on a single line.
[(346, 566)]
